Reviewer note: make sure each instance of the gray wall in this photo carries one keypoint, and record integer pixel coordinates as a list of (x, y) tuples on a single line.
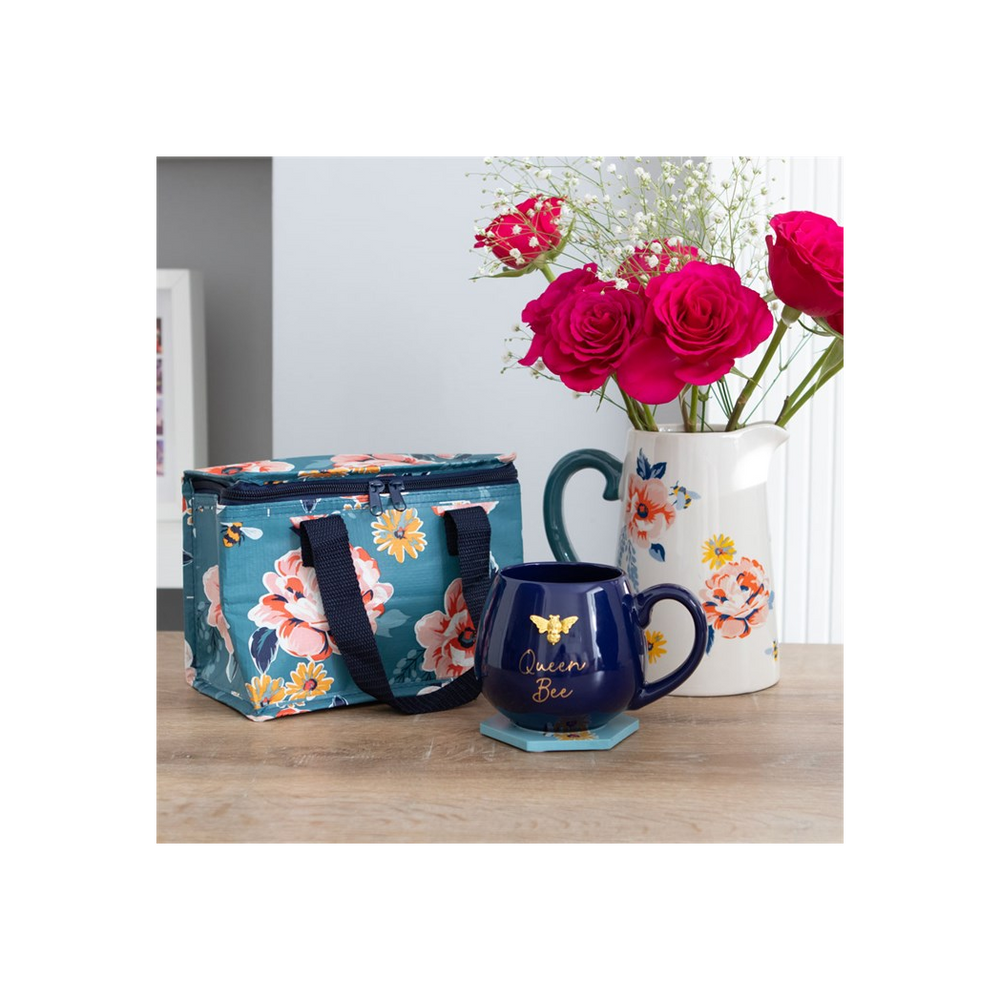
[(382, 343), (214, 215)]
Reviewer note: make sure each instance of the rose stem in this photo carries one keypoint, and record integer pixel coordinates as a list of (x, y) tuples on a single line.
[(629, 407), (813, 372), (788, 317), (547, 271), (782, 421)]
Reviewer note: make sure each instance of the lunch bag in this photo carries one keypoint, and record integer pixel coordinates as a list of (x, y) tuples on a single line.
[(319, 582)]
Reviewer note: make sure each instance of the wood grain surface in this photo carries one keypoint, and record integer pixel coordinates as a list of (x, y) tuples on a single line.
[(764, 767)]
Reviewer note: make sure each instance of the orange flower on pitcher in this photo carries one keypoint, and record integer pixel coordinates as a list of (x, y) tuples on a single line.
[(649, 511), (737, 599)]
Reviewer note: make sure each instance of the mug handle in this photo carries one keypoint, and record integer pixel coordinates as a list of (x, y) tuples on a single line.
[(644, 602), (552, 502)]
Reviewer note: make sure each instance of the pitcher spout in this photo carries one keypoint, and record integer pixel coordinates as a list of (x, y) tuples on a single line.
[(756, 447)]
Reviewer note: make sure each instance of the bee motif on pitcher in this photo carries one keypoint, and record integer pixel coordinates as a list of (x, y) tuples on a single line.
[(554, 626), (235, 533)]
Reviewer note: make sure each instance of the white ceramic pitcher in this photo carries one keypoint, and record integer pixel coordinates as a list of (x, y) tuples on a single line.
[(693, 513)]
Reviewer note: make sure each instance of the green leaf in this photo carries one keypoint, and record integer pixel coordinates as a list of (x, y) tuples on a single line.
[(823, 329), (834, 355), (600, 398), (509, 272)]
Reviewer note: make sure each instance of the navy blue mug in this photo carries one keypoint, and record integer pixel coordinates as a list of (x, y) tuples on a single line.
[(562, 648)]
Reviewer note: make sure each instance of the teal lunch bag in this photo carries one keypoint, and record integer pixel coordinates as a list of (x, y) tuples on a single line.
[(318, 582)]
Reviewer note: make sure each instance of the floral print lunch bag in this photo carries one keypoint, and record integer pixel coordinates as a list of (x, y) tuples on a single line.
[(319, 582)]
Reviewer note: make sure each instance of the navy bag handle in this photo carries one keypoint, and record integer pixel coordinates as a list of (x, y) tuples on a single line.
[(325, 546)]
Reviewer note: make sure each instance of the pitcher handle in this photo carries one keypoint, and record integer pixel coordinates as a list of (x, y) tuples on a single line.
[(552, 503)]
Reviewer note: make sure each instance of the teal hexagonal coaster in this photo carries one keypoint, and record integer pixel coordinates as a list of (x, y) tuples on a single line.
[(499, 727)]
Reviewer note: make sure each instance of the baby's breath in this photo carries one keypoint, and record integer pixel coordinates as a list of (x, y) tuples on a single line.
[(618, 203), (616, 211)]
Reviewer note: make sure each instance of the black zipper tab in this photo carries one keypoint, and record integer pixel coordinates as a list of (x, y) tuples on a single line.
[(395, 493), (375, 488)]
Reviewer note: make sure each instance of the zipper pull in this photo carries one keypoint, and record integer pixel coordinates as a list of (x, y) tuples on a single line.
[(375, 488), (395, 495)]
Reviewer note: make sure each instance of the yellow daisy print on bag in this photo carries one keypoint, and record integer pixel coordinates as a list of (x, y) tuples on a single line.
[(308, 680), (265, 691), (398, 532)]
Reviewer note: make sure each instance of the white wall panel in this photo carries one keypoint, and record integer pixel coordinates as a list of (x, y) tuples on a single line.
[(806, 486)]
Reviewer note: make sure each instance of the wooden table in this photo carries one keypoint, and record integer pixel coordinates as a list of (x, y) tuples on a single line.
[(765, 767)]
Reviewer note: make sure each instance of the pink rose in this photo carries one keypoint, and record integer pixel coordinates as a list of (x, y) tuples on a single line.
[(805, 259), (527, 232), (699, 321), (646, 262), (582, 327), (538, 313)]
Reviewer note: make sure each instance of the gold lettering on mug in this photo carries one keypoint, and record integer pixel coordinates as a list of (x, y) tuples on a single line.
[(530, 664), (544, 690)]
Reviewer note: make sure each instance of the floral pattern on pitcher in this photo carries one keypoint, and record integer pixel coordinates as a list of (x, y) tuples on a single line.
[(718, 550), (736, 600), (656, 645), (649, 511)]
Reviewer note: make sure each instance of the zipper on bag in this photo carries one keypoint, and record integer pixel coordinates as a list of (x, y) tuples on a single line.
[(242, 492), (375, 487)]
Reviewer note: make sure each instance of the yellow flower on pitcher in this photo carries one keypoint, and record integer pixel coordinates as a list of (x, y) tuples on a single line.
[(718, 551), (656, 645), (308, 680), (398, 531), (265, 691)]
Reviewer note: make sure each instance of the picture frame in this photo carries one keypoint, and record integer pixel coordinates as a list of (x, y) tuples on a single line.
[(181, 407)]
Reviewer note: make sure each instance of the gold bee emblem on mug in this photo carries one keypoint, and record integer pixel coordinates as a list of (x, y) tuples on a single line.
[(554, 626)]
